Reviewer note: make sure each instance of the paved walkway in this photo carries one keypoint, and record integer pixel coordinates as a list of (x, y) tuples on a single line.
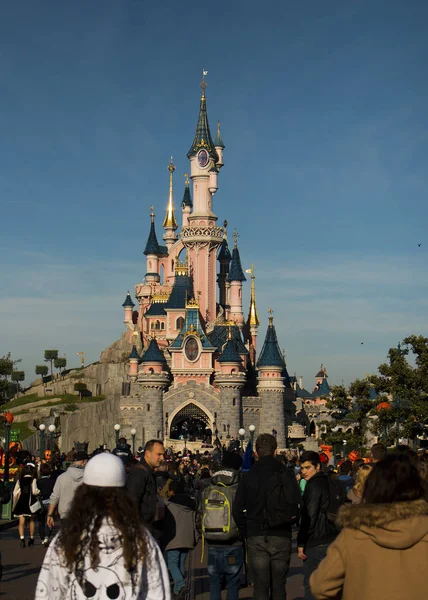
[(21, 568)]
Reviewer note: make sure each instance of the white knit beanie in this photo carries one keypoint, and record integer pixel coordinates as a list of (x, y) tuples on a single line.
[(105, 470)]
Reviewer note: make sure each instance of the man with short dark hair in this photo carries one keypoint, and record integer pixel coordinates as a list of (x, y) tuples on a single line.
[(141, 480), (378, 452), (316, 531), (269, 544)]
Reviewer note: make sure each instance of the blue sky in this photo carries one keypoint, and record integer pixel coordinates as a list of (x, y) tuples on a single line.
[(323, 112)]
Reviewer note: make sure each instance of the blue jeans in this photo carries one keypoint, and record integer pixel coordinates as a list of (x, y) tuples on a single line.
[(314, 557), (175, 560), (225, 562)]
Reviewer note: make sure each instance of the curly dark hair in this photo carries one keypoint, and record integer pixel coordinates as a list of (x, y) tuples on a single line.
[(78, 537)]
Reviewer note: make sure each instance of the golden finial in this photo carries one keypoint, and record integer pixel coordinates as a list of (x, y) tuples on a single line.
[(153, 334), (229, 332), (169, 221), (225, 224), (235, 238), (152, 213), (186, 175), (204, 84), (270, 311)]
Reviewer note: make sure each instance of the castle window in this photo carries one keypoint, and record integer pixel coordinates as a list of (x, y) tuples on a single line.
[(224, 427), (179, 323), (158, 435), (240, 293), (162, 325), (234, 402), (148, 408)]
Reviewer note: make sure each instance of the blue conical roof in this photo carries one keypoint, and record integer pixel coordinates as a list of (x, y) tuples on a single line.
[(134, 353), (224, 252), (271, 355), (235, 271), (187, 198), (203, 137), (153, 353), (230, 353), (218, 139), (323, 390), (152, 245), (128, 301)]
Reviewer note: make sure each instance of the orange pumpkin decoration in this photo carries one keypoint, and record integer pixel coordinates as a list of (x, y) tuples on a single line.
[(383, 406), (47, 455), (8, 416), (353, 455)]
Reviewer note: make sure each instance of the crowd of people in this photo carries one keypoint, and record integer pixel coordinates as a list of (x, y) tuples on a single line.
[(128, 522)]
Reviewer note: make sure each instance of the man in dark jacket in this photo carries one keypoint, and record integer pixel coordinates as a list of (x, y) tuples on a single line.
[(141, 481), (269, 548), (316, 531), (123, 451)]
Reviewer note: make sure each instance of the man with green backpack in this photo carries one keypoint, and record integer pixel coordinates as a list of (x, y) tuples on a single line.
[(219, 531)]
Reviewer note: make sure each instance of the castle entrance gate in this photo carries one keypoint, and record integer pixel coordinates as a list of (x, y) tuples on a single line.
[(191, 423)]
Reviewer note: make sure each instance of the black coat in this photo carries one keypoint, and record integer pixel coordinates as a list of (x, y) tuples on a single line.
[(315, 528), (250, 499), (141, 483)]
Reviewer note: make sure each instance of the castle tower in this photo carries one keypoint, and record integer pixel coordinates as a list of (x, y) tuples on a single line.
[(133, 363), (230, 381), (170, 223), (154, 380), (201, 236), (271, 386), (253, 319), (224, 257), (186, 204), (152, 252), (128, 306), (235, 278)]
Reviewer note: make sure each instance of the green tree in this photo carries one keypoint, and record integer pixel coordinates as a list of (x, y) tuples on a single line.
[(42, 370), (80, 387), (17, 376), (60, 363), (7, 389), (50, 356), (406, 384)]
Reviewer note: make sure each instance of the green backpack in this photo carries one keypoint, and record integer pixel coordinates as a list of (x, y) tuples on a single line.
[(218, 524)]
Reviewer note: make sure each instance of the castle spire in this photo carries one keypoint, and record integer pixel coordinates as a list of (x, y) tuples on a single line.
[(253, 318), (271, 355), (152, 245), (187, 198), (169, 221), (218, 142), (203, 137)]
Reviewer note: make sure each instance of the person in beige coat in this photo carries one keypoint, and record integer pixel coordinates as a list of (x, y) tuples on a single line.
[(382, 550)]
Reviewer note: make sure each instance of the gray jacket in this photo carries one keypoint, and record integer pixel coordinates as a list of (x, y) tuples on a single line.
[(63, 492)]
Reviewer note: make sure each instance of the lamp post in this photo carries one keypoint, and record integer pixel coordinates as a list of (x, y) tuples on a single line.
[(8, 420), (241, 437), (42, 433), (252, 429), (116, 431), (51, 429), (133, 432)]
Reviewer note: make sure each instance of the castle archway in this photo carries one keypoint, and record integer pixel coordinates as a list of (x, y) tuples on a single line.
[(191, 422)]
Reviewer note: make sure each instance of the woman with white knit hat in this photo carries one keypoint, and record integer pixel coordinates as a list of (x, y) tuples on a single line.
[(102, 550)]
